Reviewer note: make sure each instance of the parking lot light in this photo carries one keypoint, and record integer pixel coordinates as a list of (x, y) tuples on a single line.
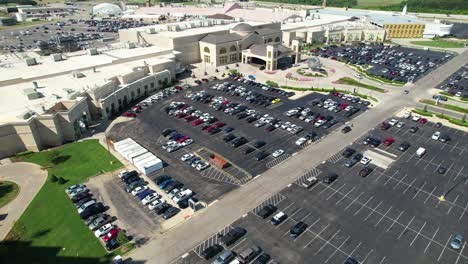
[(442, 198)]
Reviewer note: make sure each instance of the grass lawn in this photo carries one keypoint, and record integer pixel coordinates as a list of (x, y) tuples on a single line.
[(50, 230), (446, 106), (440, 43), (25, 24), (8, 192), (376, 3), (350, 81)]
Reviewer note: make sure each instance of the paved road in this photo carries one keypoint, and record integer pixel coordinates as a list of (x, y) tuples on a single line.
[(30, 178), (175, 242)]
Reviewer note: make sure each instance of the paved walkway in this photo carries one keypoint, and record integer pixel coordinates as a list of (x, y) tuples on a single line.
[(30, 178)]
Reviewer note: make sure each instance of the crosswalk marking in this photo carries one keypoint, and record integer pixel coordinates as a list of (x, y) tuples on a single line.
[(311, 173), (277, 161)]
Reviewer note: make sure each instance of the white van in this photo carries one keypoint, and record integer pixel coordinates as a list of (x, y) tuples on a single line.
[(420, 152), (357, 75)]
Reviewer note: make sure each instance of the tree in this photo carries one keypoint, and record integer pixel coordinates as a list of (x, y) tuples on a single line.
[(61, 180), (425, 108), (464, 118), (122, 237), (53, 178)]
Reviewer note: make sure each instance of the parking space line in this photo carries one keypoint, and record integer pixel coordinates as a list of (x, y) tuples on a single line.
[(316, 235), (383, 216), (417, 234), (355, 199), (419, 189), (362, 206), (303, 218), (430, 241), (327, 242), (459, 254), (458, 173), (409, 186), (406, 227), (354, 250), (334, 252), (345, 196), (336, 191), (368, 254), (394, 221), (443, 249), (400, 181), (372, 211), (430, 194), (451, 206), (463, 213), (329, 187), (382, 260)]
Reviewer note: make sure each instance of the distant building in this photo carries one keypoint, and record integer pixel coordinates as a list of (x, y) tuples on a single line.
[(7, 21)]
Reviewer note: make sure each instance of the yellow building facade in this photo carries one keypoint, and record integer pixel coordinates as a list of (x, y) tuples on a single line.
[(404, 30)]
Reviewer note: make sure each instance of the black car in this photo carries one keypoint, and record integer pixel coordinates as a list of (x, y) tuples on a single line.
[(346, 129), (372, 142), (229, 138), (404, 146), (351, 260), (232, 236), (259, 144), (348, 152), (330, 177), (413, 129), (297, 229), (441, 170), (358, 156), (112, 244), (267, 210), (91, 219), (173, 185), (242, 115), (438, 125), (81, 196), (444, 138), (128, 175), (158, 180), (247, 150), (331, 123), (251, 119), (262, 259), (131, 179), (238, 142), (92, 210), (167, 131), (364, 172), (83, 201), (171, 212), (161, 208), (261, 155), (211, 251)]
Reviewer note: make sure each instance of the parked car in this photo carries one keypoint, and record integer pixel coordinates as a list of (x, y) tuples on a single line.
[(278, 153), (103, 230), (111, 235), (224, 258), (262, 259), (346, 129), (457, 241), (75, 187), (297, 229), (248, 254), (232, 236), (267, 210), (330, 177), (364, 172), (171, 212), (211, 251), (278, 218)]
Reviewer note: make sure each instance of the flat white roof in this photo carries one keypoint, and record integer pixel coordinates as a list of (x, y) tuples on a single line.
[(322, 21)]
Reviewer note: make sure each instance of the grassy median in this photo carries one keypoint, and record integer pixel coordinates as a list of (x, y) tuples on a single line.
[(350, 81), (8, 192), (50, 229)]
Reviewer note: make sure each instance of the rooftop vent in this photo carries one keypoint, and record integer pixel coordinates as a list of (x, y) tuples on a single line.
[(31, 61), (56, 57), (92, 51), (130, 45), (77, 74)]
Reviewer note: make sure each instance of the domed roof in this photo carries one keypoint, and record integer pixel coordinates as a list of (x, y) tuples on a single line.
[(314, 63), (107, 9), (243, 28)]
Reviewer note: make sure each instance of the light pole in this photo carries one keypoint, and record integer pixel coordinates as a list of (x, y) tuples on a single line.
[(442, 197)]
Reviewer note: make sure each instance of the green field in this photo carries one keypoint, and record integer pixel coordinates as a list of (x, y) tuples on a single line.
[(350, 81), (439, 43), (50, 230), (8, 192)]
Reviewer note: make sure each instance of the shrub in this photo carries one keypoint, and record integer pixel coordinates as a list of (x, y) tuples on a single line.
[(61, 180), (122, 237), (272, 83), (53, 178)]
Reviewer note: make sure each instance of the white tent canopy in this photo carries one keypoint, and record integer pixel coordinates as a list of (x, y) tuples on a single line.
[(106, 9)]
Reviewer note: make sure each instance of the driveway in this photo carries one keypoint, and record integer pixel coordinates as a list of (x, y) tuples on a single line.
[(30, 178)]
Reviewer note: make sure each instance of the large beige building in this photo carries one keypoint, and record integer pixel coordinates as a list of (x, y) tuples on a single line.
[(47, 102)]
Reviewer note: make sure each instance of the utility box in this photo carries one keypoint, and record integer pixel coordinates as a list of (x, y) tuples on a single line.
[(31, 61), (92, 51), (56, 57)]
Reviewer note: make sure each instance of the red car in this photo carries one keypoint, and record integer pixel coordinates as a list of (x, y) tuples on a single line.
[(111, 235), (335, 93), (182, 139), (343, 106), (137, 108), (190, 118), (129, 114), (181, 115), (205, 80), (219, 124), (388, 141), (208, 128), (385, 126), (423, 120), (178, 87), (197, 122)]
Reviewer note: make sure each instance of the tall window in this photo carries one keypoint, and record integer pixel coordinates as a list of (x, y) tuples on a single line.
[(223, 60), (277, 39), (269, 54), (206, 50), (206, 58), (233, 57), (232, 48), (222, 51), (269, 40)]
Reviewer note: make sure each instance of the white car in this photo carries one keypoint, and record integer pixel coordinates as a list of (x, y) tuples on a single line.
[(139, 190), (365, 160), (301, 141), (407, 114), (154, 203), (180, 195), (393, 122), (103, 230), (173, 193), (187, 142), (278, 153), (400, 124), (186, 157), (320, 123), (122, 173), (436, 135), (416, 118), (150, 198), (202, 166)]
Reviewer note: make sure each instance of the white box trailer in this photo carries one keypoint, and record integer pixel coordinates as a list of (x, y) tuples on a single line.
[(141, 157), (122, 150), (127, 152), (122, 147), (136, 153), (151, 166), (123, 142), (144, 161)]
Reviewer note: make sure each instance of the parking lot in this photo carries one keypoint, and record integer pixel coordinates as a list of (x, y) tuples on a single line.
[(394, 63), (210, 183), (393, 215), (73, 34), (457, 83)]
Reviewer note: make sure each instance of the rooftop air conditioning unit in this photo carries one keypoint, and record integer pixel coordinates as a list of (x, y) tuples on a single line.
[(130, 45), (151, 30), (92, 51), (31, 61), (56, 57)]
